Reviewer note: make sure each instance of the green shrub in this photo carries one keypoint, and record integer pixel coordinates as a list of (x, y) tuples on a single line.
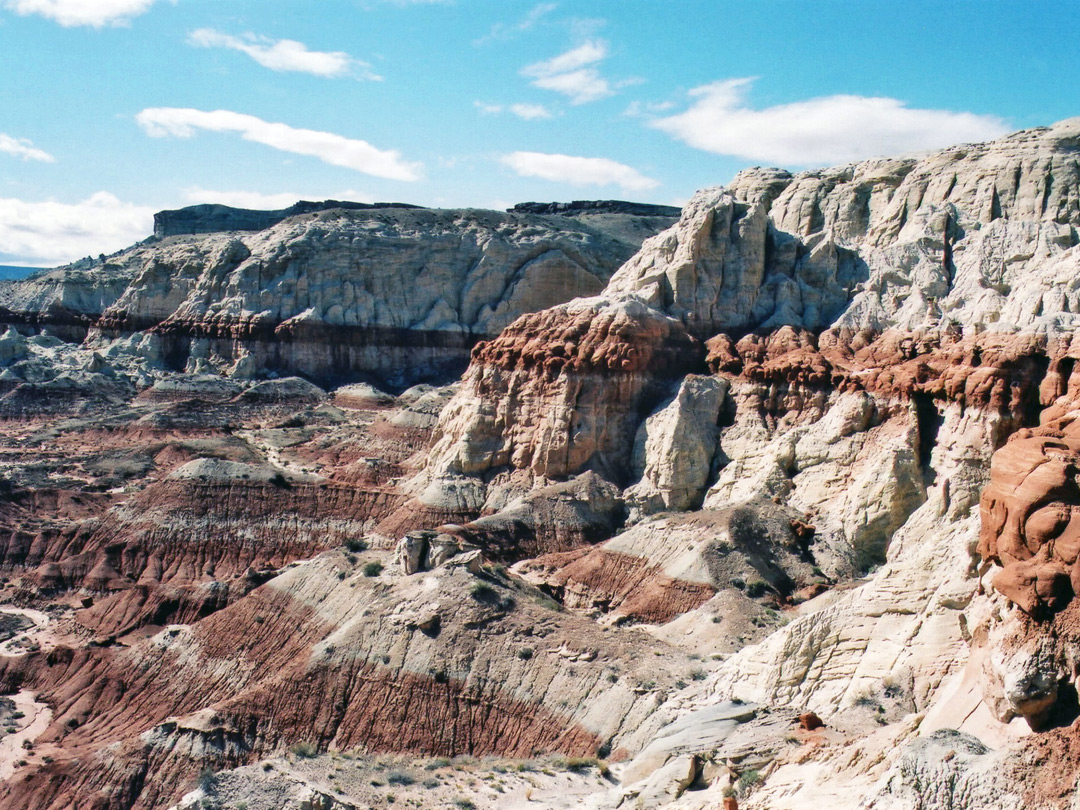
[(400, 778), (373, 569), (525, 653), (207, 780), (483, 593), (354, 545), (748, 779), (304, 750), (756, 588)]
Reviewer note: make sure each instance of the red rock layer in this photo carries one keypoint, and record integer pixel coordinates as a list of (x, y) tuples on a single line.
[(122, 715), (623, 584), (604, 340), (1031, 508), (991, 370), (189, 530), (565, 390)]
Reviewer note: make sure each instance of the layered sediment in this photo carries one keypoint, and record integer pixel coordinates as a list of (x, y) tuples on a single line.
[(809, 450)]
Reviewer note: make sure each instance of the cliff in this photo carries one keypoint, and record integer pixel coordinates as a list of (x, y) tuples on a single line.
[(330, 291), (785, 487), (213, 218)]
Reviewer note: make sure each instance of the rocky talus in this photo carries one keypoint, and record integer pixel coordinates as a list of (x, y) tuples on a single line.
[(767, 507)]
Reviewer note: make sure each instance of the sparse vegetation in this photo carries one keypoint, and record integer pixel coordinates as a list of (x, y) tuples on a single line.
[(866, 699), (747, 779), (373, 569), (355, 545), (207, 780), (525, 653), (576, 764), (304, 750), (483, 593), (400, 778), (756, 588), (464, 804)]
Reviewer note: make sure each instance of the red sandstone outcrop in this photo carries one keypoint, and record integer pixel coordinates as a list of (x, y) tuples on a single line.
[(335, 661), (561, 392), (837, 352)]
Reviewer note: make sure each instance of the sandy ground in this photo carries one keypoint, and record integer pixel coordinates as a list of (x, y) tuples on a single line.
[(17, 644), (384, 782), (36, 720)]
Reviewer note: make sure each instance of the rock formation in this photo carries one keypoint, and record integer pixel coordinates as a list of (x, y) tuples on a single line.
[(212, 218), (331, 293), (776, 511)]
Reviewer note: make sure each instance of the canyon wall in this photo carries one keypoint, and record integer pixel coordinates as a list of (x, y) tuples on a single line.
[(786, 494)]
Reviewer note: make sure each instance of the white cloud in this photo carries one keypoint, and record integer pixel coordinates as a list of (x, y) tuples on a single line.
[(586, 54), (819, 131), (572, 73), (22, 148), (530, 112), (645, 109), (42, 233), (502, 31), (179, 122), (526, 112), (285, 54), (95, 13), (265, 202), (582, 86), (578, 171)]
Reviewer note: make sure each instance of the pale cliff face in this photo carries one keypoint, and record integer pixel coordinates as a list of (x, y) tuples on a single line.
[(906, 317), (809, 449)]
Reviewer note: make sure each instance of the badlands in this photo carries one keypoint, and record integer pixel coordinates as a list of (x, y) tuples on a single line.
[(767, 503)]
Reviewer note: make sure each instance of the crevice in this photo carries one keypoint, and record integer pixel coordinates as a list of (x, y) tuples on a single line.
[(947, 254), (949, 190), (1030, 405), (1048, 185), (1066, 710), (1065, 369), (928, 421)]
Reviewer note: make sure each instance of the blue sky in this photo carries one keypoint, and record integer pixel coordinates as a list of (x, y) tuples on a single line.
[(112, 109)]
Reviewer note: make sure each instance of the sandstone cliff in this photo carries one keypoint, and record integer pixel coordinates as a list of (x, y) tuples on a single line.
[(787, 497), (878, 332), (330, 292)]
